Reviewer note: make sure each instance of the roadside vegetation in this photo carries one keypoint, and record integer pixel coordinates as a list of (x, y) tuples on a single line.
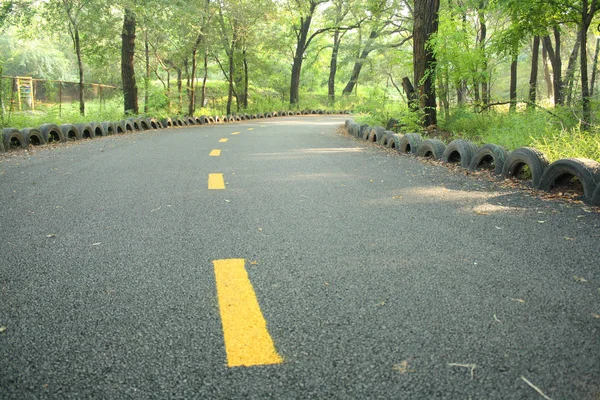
[(508, 72)]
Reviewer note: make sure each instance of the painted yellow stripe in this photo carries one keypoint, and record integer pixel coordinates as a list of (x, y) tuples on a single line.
[(247, 340), (235, 133), (215, 153), (250, 129), (215, 181), (223, 140)]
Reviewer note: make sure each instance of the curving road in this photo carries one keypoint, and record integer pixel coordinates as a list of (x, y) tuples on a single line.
[(125, 272)]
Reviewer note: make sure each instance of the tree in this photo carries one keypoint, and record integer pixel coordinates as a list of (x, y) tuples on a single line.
[(424, 60), (130, 90)]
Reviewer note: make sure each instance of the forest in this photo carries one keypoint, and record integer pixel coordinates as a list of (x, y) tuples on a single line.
[(511, 72)]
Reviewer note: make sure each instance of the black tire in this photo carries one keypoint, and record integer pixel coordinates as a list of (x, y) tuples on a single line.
[(145, 124), (525, 156), (596, 196), (85, 131), (190, 120), (394, 140), (52, 133), (376, 134), (431, 148), (127, 126), (110, 128), (387, 136), (177, 121), (70, 132), (459, 152), (409, 143), (365, 130), (562, 171), (135, 122), (491, 157), (167, 122), (211, 120), (32, 136), (347, 123), (13, 139), (120, 127), (98, 129)]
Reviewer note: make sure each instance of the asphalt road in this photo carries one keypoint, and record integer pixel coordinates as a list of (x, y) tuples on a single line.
[(378, 276)]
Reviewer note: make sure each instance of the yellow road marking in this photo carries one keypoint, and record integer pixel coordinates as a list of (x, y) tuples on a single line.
[(250, 129), (223, 140), (247, 340), (215, 153), (235, 133), (215, 181)]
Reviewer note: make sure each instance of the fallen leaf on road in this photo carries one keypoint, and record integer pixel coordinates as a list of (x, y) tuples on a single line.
[(398, 197), (499, 228), (569, 238), (537, 389), (482, 213), (597, 316), (253, 262), (496, 318), (51, 235), (403, 367), (260, 229), (96, 244), (227, 201), (156, 209), (579, 279), (541, 222), (518, 300), (2, 329), (470, 366), (326, 283)]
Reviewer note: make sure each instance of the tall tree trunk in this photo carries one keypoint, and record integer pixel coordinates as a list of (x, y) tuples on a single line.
[(587, 13), (130, 91), (535, 56), (485, 96), (461, 91), (246, 82), (147, 76), (425, 25), (547, 77), (80, 67), (570, 74), (513, 83), (333, 67), (555, 59), (302, 38), (179, 88), (192, 104), (204, 78), (352, 82), (230, 80), (595, 67)]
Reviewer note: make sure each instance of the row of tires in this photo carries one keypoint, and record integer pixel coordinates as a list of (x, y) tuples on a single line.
[(522, 163), (51, 133)]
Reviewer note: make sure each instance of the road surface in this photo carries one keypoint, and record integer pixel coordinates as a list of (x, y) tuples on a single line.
[(297, 262)]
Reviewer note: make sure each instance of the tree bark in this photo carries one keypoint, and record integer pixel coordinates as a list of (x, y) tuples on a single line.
[(485, 96), (535, 53), (80, 67), (547, 77), (192, 104), (360, 62), (555, 60), (411, 94), (513, 83), (204, 78), (130, 91), (595, 67), (425, 25), (570, 74), (301, 44), (333, 67), (246, 83), (587, 13), (147, 76)]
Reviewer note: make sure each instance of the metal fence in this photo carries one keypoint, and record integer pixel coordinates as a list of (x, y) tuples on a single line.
[(18, 94)]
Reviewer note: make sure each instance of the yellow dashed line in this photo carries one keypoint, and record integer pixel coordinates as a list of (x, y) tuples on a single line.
[(247, 340), (215, 153), (216, 182), (250, 129), (223, 140), (235, 133)]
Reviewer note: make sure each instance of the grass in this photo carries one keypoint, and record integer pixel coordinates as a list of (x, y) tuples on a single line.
[(557, 135)]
